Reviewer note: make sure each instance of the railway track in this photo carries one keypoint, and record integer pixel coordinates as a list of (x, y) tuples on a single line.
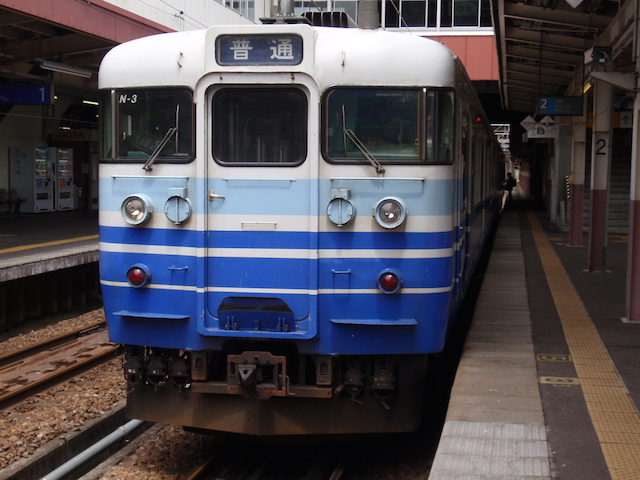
[(46, 362), (56, 359), (252, 462)]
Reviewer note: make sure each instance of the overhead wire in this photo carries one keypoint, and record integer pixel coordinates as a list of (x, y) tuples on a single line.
[(400, 16), (178, 13), (46, 117)]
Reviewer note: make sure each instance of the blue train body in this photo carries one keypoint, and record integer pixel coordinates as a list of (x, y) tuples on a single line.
[(289, 216)]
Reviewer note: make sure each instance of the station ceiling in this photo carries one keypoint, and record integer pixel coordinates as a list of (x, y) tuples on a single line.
[(542, 44), (67, 32)]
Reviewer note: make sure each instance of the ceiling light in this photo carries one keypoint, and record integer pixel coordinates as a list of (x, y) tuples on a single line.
[(62, 68)]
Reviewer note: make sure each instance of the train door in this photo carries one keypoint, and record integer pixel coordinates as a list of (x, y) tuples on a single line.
[(261, 222), (463, 206)]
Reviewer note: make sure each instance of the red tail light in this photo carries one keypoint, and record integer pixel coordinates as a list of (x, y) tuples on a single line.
[(389, 282), (138, 276)]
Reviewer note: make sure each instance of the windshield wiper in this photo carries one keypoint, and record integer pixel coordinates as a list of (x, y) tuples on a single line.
[(167, 136), (365, 151), (361, 146), (148, 166)]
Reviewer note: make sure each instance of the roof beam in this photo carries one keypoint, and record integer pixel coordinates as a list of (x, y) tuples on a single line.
[(8, 19), (57, 47), (556, 73), (567, 18), (544, 56), (535, 79), (540, 37), (96, 17)]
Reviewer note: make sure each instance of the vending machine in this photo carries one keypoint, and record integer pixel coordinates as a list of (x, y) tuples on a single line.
[(30, 173), (63, 160)]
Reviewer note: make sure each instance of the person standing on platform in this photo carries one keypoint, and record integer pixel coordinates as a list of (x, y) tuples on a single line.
[(507, 187)]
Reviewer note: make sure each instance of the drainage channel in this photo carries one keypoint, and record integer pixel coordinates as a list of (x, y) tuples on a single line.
[(82, 450)]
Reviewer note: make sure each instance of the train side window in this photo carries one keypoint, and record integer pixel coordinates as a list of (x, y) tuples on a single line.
[(156, 123), (440, 126), (266, 126), (382, 122)]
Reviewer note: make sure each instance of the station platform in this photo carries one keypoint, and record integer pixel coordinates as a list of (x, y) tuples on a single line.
[(549, 381), (36, 243), (48, 264)]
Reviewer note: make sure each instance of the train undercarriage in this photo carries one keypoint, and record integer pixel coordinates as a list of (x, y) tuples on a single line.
[(277, 392)]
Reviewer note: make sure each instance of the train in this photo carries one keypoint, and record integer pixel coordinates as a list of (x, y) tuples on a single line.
[(289, 217)]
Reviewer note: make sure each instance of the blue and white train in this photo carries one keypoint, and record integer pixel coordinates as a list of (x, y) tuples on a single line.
[(289, 217)]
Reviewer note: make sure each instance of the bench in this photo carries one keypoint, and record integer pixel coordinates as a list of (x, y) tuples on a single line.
[(4, 199), (15, 199)]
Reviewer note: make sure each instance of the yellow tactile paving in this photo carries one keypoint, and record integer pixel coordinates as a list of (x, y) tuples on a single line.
[(587, 372), (613, 414), (606, 382), (629, 474), (604, 402), (626, 418), (584, 353), (618, 437)]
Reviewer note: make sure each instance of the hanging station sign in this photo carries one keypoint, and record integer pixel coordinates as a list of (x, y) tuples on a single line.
[(26, 94), (545, 128), (563, 106)]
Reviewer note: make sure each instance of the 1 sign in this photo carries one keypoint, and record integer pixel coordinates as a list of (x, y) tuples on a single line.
[(26, 94)]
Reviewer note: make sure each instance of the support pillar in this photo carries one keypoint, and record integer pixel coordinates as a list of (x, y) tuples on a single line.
[(632, 311), (578, 161), (600, 167), (562, 168), (629, 82)]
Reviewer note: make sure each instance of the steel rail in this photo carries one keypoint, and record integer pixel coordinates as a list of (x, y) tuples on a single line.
[(47, 365), (12, 356)]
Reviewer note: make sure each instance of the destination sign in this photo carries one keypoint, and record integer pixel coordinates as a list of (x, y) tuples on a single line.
[(563, 106), (269, 49)]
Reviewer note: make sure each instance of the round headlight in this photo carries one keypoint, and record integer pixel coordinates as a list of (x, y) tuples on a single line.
[(136, 209), (390, 212)]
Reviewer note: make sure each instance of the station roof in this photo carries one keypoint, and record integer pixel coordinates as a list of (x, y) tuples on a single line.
[(67, 32), (542, 45)]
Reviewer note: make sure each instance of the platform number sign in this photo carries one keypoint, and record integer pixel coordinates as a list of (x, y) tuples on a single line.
[(601, 146), (26, 94), (565, 106)]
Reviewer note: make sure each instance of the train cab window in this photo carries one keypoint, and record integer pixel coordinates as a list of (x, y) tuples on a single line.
[(106, 124), (381, 122), (154, 123), (265, 126), (388, 125)]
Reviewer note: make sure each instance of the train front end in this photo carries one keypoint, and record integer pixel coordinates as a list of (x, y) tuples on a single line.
[(278, 218)]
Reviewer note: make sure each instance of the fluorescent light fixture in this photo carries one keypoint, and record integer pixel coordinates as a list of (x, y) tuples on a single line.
[(62, 68), (91, 102)]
